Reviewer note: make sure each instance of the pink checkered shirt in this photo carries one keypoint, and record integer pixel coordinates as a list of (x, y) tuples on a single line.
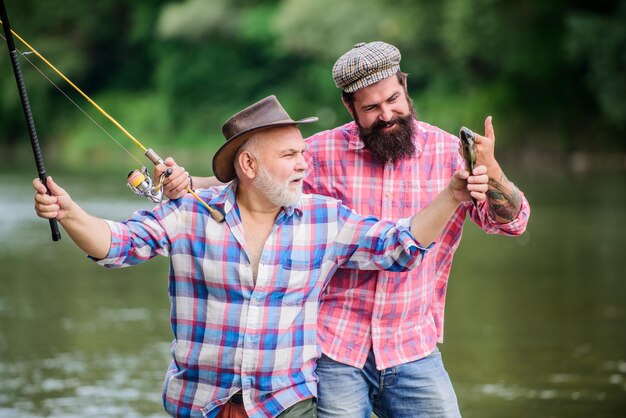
[(402, 320)]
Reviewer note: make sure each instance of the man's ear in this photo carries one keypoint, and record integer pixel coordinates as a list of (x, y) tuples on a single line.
[(247, 164)]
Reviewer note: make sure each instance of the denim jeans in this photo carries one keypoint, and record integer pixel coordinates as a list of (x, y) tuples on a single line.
[(421, 388)]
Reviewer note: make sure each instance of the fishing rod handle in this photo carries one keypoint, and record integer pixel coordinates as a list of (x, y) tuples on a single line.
[(156, 160), (34, 141), (153, 156), (30, 123)]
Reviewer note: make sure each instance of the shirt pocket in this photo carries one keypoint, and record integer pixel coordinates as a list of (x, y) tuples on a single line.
[(419, 194), (298, 278)]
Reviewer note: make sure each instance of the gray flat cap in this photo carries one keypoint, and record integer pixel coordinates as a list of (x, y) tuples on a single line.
[(366, 64)]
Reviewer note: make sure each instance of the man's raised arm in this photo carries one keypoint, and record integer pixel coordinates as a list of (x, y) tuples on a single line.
[(428, 223), (90, 234)]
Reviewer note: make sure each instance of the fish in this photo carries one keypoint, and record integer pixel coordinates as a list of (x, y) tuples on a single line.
[(468, 152)]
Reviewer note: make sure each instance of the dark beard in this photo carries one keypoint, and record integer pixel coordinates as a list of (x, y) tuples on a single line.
[(389, 146)]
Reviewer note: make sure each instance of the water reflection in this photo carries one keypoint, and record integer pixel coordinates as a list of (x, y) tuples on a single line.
[(534, 325), (77, 340)]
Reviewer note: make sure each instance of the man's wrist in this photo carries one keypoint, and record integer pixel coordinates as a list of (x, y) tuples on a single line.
[(451, 198), (494, 171)]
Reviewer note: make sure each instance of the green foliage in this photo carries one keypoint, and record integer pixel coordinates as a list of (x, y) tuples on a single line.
[(172, 71), (598, 43), (144, 116)]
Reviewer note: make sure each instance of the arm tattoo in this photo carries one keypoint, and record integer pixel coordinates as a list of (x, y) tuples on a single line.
[(505, 200)]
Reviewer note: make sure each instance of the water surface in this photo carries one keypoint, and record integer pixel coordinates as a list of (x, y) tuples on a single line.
[(534, 325)]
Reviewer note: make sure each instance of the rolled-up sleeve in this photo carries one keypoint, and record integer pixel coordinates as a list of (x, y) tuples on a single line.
[(482, 217), (367, 243), (138, 239)]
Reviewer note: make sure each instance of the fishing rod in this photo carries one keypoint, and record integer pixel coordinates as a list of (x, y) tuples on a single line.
[(28, 115), (139, 181)]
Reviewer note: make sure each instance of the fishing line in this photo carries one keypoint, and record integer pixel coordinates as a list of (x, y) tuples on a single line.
[(148, 152), (23, 54)]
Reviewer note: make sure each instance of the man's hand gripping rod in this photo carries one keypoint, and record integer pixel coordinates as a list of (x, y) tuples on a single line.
[(156, 160)]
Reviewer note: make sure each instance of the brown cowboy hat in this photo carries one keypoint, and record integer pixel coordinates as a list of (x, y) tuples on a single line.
[(266, 113)]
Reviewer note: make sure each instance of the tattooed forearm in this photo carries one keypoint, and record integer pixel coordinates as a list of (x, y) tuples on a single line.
[(505, 200)]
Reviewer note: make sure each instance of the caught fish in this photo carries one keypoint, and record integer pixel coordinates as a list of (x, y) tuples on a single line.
[(468, 151)]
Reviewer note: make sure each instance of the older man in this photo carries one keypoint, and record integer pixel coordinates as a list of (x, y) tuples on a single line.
[(379, 337), (245, 291)]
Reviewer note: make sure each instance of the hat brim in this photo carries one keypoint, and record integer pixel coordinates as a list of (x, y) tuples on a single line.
[(224, 158)]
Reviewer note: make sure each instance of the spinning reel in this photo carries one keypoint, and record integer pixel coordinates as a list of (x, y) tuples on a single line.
[(142, 184)]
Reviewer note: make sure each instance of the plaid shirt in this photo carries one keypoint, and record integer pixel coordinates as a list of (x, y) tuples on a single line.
[(234, 334), (400, 319)]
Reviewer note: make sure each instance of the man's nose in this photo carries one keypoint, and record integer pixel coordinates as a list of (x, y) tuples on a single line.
[(301, 164), (386, 114)]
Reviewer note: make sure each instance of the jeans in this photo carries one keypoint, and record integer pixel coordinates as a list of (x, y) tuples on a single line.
[(421, 388)]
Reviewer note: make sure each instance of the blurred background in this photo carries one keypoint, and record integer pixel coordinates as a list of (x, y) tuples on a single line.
[(534, 324)]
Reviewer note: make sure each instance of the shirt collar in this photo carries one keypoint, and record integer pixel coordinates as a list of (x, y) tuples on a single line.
[(226, 200), (354, 141)]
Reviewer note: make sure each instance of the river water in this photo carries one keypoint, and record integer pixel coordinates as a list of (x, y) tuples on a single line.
[(535, 325)]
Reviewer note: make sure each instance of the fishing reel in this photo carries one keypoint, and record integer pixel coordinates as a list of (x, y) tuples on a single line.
[(140, 182)]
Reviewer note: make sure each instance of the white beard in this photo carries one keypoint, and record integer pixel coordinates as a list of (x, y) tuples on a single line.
[(280, 194)]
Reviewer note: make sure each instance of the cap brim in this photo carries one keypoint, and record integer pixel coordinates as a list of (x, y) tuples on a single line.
[(223, 160)]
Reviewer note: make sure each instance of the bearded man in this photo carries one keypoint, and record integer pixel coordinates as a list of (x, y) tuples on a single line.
[(245, 288), (379, 330)]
